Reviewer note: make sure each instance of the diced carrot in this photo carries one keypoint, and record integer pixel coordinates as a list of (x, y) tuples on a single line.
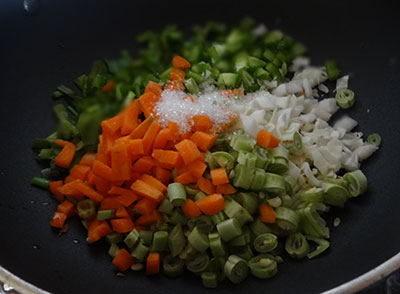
[(203, 140), (112, 125), (127, 199), (190, 209), (102, 185), (69, 179), (120, 167), (88, 159), (122, 225), (136, 147), (130, 114), (88, 191), (267, 214), (91, 178), (162, 174), (153, 87), (177, 75), (211, 204), (121, 212), (174, 128), (185, 178), (180, 62), (145, 190), (150, 136), (58, 220), (153, 263), (143, 164), (146, 206), (148, 219), (53, 186), (147, 102), (197, 168), (60, 143), (112, 203), (202, 123), (162, 139), (66, 156), (67, 208), (154, 183), (97, 230), (187, 149), (79, 171), (219, 176), (108, 86), (102, 170), (166, 158), (141, 129), (70, 189), (174, 86), (206, 186), (184, 136), (225, 189), (123, 260), (267, 139), (103, 158)]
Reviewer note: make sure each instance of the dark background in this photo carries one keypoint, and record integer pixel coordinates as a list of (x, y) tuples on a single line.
[(61, 39)]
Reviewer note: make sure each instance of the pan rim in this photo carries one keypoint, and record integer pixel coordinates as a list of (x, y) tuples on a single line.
[(361, 282)]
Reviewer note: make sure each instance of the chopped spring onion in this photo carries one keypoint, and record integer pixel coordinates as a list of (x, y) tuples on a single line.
[(105, 214), (176, 240), (229, 229), (198, 263), (86, 208), (357, 182), (176, 194), (236, 269), (198, 240), (263, 266), (287, 219), (216, 245), (322, 245), (296, 245), (345, 98), (209, 279), (173, 266), (265, 242), (374, 139)]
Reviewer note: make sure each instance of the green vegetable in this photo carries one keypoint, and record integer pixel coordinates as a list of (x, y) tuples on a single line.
[(40, 182), (263, 266), (177, 194), (229, 229), (357, 182), (209, 279), (332, 70), (216, 245), (322, 245), (345, 98), (198, 240), (265, 242), (86, 208), (236, 269), (105, 214), (374, 139), (296, 245), (176, 240), (173, 266), (160, 241)]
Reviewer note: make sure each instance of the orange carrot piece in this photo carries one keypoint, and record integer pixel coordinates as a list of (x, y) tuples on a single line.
[(102, 170), (202, 123), (148, 219), (153, 263), (143, 164), (130, 116), (102, 185), (103, 157), (110, 203), (136, 147), (67, 208), (91, 178), (65, 157), (153, 87), (190, 209), (166, 158), (174, 128), (120, 167), (154, 183), (219, 176), (211, 204), (203, 140), (180, 62), (163, 175), (150, 136), (60, 143), (225, 189), (69, 179), (174, 86), (162, 139), (177, 75), (88, 191), (112, 125), (121, 212), (185, 178), (70, 189), (197, 168), (141, 129), (58, 220), (188, 150), (206, 186), (88, 159), (146, 206), (80, 171), (145, 190), (122, 225), (147, 102), (184, 136), (53, 186), (123, 260), (267, 214), (98, 229), (267, 139), (108, 86)]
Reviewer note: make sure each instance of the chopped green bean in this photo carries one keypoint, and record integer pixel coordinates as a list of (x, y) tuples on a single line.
[(113, 251), (332, 70), (229, 229), (40, 182), (263, 266), (296, 245), (176, 240), (173, 266), (86, 208), (160, 241), (198, 240), (322, 245), (176, 194), (209, 280), (236, 269), (131, 239), (198, 263), (265, 242), (146, 236), (105, 214), (140, 252), (114, 237)]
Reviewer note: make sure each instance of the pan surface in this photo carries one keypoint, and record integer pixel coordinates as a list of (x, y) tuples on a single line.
[(59, 41)]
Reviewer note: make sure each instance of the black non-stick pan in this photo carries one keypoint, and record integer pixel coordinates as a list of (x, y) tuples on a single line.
[(58, 40)]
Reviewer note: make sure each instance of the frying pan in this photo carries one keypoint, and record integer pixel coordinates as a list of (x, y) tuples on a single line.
[(59, 40)]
